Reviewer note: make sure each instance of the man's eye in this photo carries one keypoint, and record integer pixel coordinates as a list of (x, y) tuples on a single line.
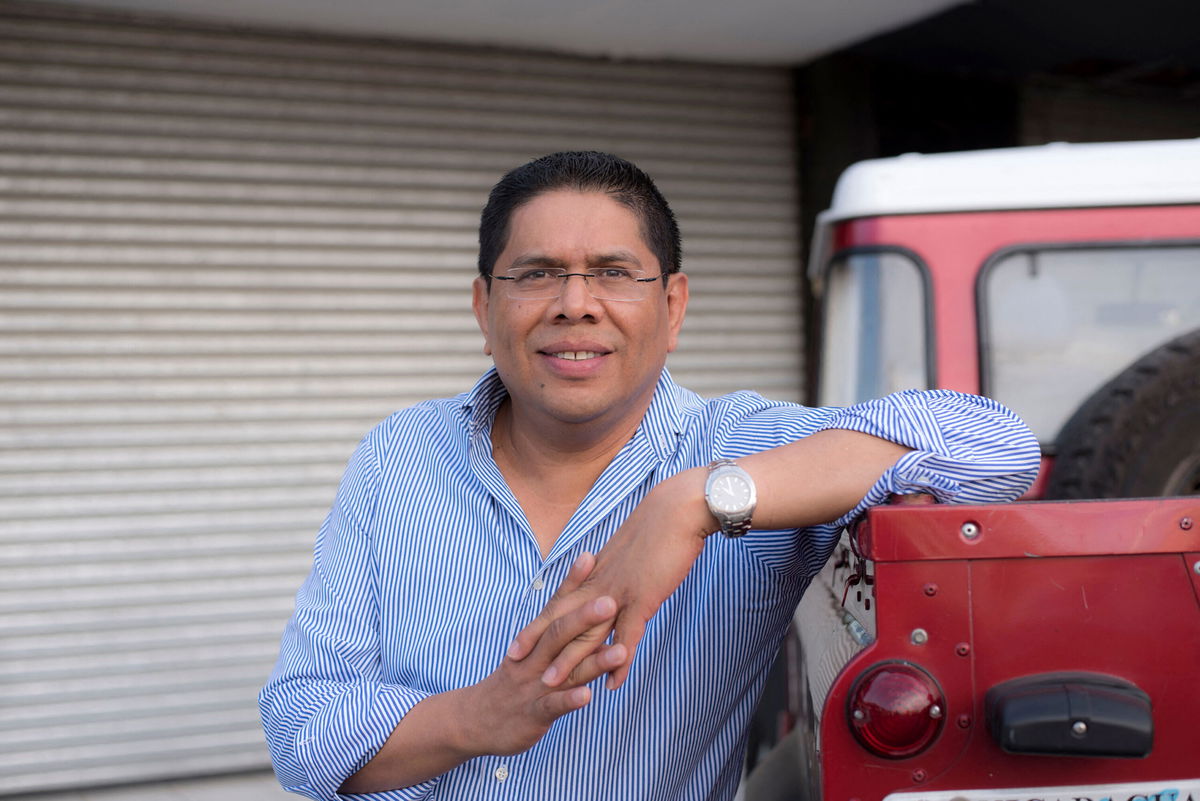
[(532, 276), (613, 274)]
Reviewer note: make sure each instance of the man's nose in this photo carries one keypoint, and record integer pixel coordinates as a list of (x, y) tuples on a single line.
[(575, 296)]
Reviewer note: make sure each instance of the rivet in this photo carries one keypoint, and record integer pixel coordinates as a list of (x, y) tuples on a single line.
[(935, 712), (1185, 523), (970, 530), (931, 589), (919, 637), (860, 715), (1079, 728), (962, 649), (1196, 567), (964, 721), (919, 775)]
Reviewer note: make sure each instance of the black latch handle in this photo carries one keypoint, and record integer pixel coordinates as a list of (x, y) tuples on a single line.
[(1071, 714)]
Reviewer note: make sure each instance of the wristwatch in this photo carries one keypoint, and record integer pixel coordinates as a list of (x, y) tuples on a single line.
[(731, 497)]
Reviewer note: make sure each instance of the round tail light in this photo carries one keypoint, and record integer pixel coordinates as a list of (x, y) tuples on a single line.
[(896, 709)]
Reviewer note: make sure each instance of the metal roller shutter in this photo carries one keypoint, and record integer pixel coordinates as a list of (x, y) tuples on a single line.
[(225, 255)]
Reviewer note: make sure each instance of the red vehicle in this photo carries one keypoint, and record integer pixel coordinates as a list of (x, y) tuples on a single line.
[(1037, 650)]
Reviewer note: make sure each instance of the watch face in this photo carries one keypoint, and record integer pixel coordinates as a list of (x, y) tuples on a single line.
[(730, 493)]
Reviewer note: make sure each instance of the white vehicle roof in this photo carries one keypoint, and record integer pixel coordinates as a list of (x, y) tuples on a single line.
[(1057, 175)]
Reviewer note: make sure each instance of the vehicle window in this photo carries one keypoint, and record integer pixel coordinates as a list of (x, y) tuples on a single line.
[(1059, 323), (875, 339)]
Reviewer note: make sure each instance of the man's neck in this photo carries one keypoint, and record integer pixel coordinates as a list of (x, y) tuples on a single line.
[(544, 449), (551, 468)]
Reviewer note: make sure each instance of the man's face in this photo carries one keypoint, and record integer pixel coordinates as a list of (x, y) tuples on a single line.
[(573, 358)]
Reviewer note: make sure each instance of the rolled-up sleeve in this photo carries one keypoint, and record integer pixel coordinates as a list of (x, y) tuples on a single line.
[(325, 709), (965, 448)]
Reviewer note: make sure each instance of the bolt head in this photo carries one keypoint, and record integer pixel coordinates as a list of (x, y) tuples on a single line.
[(919, 775), (1079, 728), (931, 589), (964, 721), (1185, 523), (970, 530), (1196, 567), (919, 637), (962, 649), (935, 712)]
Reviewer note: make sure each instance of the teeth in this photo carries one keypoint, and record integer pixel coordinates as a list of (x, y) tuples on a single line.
[(577, 355)]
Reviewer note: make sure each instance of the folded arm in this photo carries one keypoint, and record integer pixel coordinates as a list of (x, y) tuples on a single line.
[(958, 447)]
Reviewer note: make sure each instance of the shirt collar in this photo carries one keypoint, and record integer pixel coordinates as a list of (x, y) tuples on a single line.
[(661, 426), (480, 404)]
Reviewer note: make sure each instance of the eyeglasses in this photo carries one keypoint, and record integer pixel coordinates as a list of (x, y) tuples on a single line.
[(604, 283)]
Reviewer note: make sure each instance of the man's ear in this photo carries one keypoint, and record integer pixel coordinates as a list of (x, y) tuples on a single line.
[(479, 303), (677, 300)]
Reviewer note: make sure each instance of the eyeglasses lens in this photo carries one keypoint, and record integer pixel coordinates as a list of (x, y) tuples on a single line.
[(606, 284)]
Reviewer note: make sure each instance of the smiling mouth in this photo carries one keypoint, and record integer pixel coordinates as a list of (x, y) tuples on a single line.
[(576, 355)]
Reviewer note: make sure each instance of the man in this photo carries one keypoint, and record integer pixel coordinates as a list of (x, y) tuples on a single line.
[(424, 659)]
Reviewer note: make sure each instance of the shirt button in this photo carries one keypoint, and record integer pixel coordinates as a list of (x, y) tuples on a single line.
[(538, 583), (501, 773)]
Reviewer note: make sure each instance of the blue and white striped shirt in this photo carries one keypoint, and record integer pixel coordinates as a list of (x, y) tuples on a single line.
[(426, 568)]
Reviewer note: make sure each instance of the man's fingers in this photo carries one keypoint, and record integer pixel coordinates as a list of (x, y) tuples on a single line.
[(581, 568), (528, 637), (575, 635), (553, 706), (603, 660), (628, 632)]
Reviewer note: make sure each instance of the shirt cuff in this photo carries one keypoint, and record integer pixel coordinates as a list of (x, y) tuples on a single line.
[(965, 448), (908, 476), (326, 767)]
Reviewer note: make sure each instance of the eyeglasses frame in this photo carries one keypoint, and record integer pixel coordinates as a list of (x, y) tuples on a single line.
[(585, 277)]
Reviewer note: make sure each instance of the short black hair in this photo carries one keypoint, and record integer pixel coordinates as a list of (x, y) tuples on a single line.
[(584, 171)]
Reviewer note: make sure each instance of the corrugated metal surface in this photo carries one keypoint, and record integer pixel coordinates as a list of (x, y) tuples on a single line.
[(223, 256)]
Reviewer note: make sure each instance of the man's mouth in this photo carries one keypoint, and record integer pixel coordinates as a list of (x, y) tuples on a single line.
[(576, 355)]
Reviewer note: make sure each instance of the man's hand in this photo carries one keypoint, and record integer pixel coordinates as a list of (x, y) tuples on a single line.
[(507, 712), (643, 563), (513, 708)]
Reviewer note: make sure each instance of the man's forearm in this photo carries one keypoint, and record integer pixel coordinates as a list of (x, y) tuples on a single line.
[(813, 480), (430, 740), (819, 478)]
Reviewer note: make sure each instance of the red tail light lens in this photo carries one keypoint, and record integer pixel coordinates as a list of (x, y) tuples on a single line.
[(896, 709)]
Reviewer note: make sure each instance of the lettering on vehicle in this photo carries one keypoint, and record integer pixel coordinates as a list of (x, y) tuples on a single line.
[(1162, 795), (1127, 793)]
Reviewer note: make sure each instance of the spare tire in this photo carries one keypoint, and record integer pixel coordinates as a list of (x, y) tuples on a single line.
[(1138, 436)]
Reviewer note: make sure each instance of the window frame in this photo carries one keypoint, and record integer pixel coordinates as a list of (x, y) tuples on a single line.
[(983, 315), (927, 316)]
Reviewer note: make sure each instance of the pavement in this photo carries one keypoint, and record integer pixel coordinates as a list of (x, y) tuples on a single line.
[(243, 787), (257, 786)]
